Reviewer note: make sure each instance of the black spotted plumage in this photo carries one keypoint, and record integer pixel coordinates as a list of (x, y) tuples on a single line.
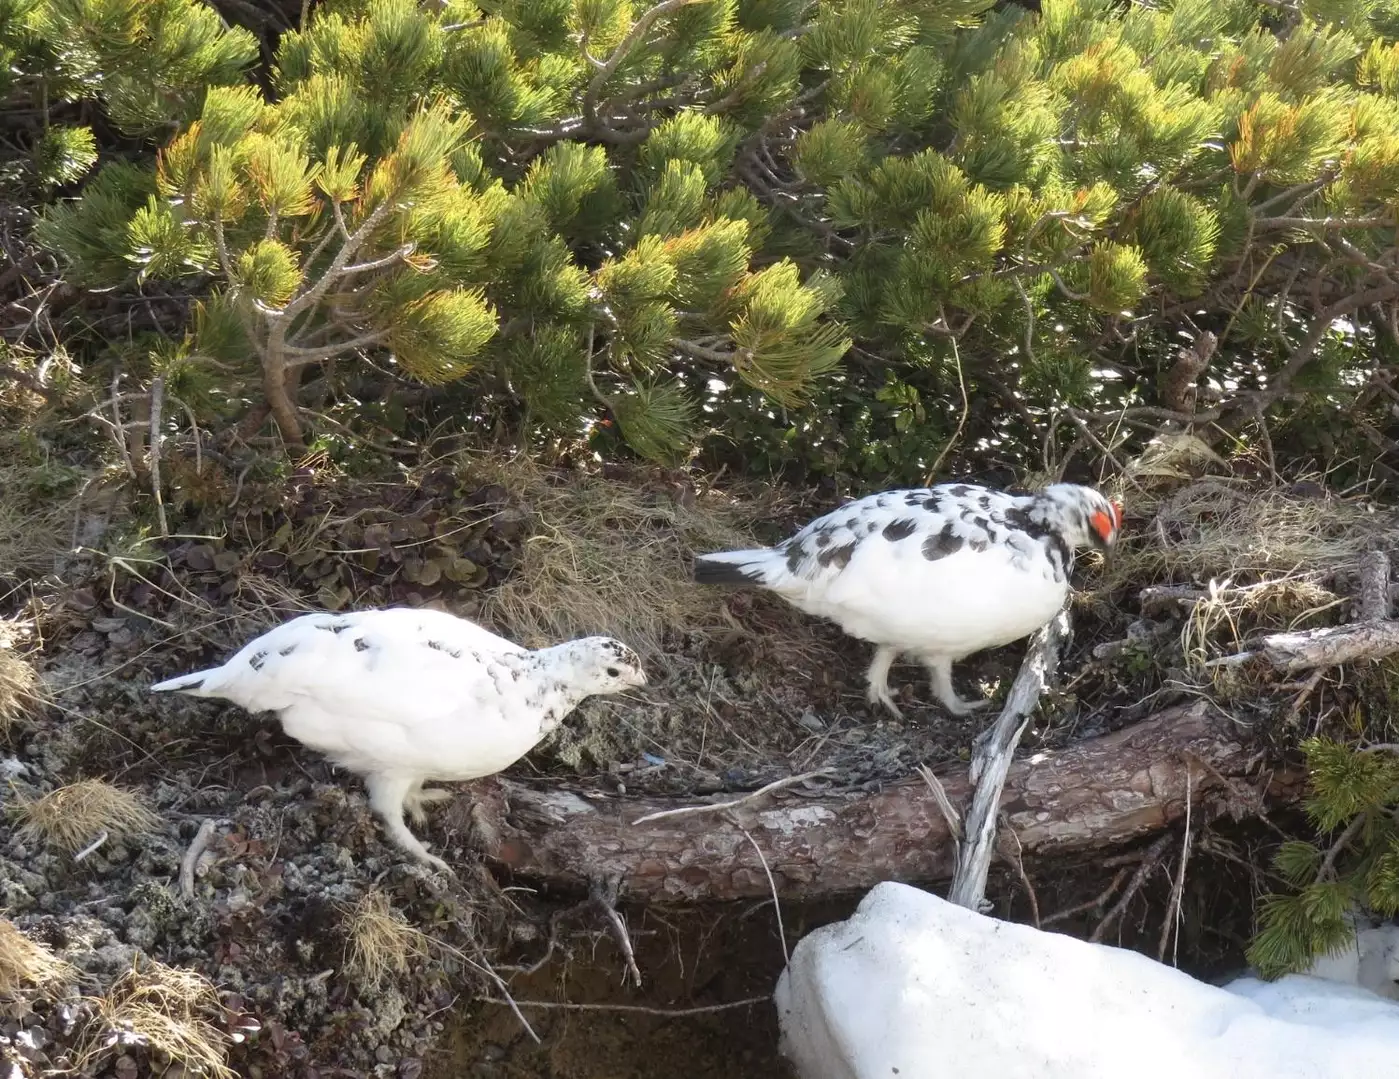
[(938, 572)]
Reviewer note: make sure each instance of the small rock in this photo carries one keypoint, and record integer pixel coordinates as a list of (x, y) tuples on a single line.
[(810, 721)]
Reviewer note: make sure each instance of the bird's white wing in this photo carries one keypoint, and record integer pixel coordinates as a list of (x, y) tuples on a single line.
[(401, 665)]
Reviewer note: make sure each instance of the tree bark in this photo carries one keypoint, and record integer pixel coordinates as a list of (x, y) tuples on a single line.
[(1098, 794)]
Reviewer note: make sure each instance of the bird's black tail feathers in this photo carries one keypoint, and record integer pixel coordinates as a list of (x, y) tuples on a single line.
[(739, 569)]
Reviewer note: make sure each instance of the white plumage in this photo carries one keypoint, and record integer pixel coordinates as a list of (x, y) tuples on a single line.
[(401, 696), (938, 572)]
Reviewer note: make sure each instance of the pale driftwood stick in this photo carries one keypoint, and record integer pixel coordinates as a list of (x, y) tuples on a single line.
[(1091, 798), (1373, 594), (991, 763), (1331, 647), (92, 847)]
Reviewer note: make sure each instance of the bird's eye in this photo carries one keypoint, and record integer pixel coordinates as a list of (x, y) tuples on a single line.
[(613, 672)]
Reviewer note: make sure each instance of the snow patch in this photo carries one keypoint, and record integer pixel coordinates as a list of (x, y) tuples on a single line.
[(914, 987)]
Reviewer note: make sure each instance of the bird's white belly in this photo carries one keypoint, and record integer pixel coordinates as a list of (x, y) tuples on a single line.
[(953, 606), (455, 748)]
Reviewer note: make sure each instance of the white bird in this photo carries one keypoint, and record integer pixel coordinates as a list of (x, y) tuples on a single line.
[(401, 696), (938, 572)]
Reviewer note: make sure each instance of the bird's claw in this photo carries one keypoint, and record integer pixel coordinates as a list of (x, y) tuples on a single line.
[(413, 803), (960, 707), (878, 696)]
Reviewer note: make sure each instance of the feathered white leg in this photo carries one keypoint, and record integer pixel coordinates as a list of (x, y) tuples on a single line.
[(387, 795), (417, 798), (878, 678), (940, 668)]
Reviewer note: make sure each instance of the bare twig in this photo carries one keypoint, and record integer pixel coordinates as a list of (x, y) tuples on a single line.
[(719, 807), (1097, 903), (603, 896), (634, 1009), (1172, 918), (776, 904), (153, 451), (961, 420), (1017, 859), (1150, 858), (944, 803), (119, 433)]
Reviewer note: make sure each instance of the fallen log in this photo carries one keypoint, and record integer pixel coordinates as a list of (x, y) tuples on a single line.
[(1098, 794)]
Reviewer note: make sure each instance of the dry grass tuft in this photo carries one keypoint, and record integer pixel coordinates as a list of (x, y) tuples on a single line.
[(382, 943), (19, 687), (1231, 613), (1263, 558), (1216, 527), (36, 503), (73, 816), (609, 557), (24, 962), (166, 1010)]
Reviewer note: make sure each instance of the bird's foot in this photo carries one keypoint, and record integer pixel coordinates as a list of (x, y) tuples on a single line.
[(438, 864), (416, 800), (959, 707), (881, 695)]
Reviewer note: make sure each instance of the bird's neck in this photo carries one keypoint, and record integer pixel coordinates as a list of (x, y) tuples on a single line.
[(551, 691)]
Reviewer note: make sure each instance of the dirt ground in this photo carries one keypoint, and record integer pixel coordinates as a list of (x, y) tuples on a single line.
[(690, 960)]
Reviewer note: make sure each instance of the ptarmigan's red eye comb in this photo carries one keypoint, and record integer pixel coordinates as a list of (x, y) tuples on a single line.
[(1106, 525)]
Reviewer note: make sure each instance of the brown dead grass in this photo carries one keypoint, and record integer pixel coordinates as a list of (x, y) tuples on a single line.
[(1222, 527), (167, 1010), (611, 557), (73, 816), (1232, 612), (26, 963), (19, 688), (1266, 557), (381, 943), (36, 502)]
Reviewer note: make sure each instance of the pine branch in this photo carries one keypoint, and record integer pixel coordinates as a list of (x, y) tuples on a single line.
[(1374, 221), (378, 264), (620, 53), (300, 357), (699, 352), (334, 271)]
